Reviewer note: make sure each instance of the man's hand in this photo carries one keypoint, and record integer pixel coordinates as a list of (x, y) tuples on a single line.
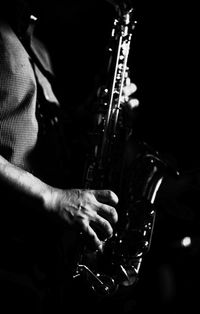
[(128, 92), (92, 212)]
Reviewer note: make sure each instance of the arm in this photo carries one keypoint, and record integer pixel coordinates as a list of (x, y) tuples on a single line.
[(90, 211)]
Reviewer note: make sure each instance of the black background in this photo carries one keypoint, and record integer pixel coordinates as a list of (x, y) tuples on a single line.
[(163, 63)]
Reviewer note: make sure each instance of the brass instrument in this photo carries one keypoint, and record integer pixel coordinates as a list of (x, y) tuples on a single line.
[(136, 182)]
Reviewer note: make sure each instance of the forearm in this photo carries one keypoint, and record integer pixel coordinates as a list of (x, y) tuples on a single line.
[(29, 188), (91, 211)]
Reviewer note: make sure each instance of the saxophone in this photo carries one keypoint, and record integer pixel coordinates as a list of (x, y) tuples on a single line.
[(136, 182)]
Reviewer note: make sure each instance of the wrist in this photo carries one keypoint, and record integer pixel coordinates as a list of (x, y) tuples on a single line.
[(50, 198)]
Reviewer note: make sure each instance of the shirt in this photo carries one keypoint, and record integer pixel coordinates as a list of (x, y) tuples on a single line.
[(32, 138), (30, 133)]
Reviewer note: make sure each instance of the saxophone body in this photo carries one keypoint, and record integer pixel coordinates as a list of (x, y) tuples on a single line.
[(136, 179)]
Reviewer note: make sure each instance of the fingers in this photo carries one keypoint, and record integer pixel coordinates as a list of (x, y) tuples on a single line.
[(133, 103), (98, 216), (127, 94), (106, 196), (96, 232), (129, 88), (102, 228), (108, 212), (91, 238)]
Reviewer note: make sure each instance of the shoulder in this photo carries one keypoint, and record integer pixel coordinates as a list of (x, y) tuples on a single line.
[(9, 43), (12, 52)]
